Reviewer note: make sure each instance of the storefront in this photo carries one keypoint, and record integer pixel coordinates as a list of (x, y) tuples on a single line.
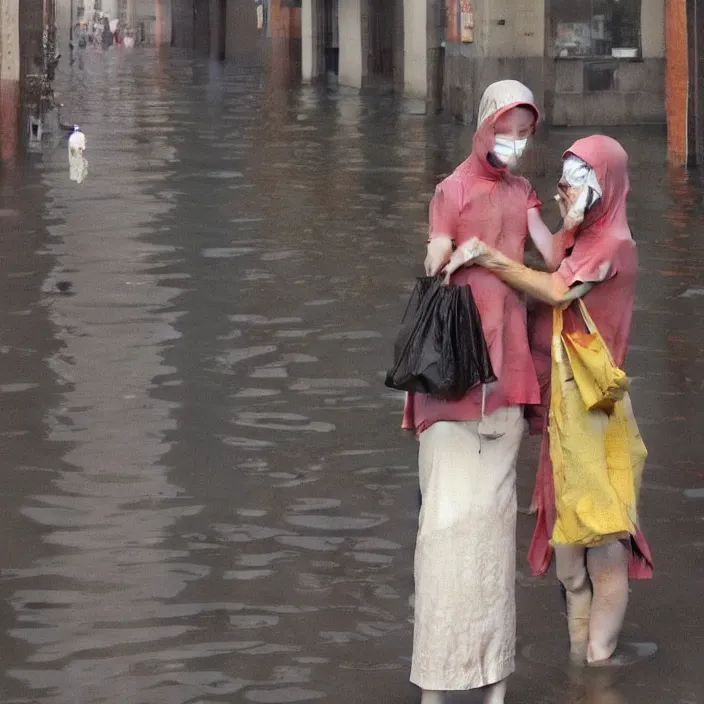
[(589, 62), (609, 58)]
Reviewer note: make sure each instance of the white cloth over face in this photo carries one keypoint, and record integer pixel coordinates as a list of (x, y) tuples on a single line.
[(578, 174)]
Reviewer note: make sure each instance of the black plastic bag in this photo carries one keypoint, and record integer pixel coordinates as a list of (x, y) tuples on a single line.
[(440, 350)]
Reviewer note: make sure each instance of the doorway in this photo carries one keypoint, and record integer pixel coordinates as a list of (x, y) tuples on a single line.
[(201, 26), (331, 38), (383, 35)]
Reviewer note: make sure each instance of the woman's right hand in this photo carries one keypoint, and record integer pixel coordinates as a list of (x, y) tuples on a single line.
[(573, 205), (438, 255)]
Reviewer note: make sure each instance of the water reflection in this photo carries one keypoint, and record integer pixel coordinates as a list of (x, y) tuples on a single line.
[(207, 497)]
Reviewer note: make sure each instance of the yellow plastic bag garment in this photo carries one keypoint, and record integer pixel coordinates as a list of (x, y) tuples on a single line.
[(601, 383), (596, 449)]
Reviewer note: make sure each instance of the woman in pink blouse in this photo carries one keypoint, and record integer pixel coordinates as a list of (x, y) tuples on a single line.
[(465, 615)]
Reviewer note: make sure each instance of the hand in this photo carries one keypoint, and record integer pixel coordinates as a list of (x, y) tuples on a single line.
[(466, 255), (439, 253), (573, 205)]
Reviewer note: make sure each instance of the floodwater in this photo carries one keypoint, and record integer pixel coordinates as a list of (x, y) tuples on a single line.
[(205, 494)]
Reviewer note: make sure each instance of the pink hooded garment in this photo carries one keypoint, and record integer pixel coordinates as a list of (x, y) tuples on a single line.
[(604, 253), (489, 202)]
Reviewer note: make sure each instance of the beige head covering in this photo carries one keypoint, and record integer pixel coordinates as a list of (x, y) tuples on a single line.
[(500, 95)]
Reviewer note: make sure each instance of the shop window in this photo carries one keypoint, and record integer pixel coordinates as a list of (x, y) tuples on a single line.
[(583, 28)]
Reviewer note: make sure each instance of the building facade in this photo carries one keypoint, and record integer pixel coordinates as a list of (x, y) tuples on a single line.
[(28, 58), (589, 62)]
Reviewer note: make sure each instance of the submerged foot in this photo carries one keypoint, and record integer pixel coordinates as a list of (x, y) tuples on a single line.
[(600, 654)]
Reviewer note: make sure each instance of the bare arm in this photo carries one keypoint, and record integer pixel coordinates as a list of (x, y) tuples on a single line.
[(546, 287), (550, 246)]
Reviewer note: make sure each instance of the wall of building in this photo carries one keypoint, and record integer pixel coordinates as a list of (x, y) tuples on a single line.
[(511, 42), (415, 58), (635, 90), (636, 94), (511, 30)]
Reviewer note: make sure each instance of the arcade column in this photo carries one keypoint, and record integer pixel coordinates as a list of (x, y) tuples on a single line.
[(9, 79), (351, 53)]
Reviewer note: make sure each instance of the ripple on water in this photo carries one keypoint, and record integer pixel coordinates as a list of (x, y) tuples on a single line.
[(314, 504), (337, 522), (254, 621), (247, 575), (226, 252), (256, 393), (311, 542), (283, 421), (283, 695), (352, 335)]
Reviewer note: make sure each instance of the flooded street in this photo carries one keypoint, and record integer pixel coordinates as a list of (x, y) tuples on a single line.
[(206, 496)]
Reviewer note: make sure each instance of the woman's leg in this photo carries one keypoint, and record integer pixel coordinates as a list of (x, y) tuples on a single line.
[(608, 570), (430, 696), (495, 693), (570, 561)]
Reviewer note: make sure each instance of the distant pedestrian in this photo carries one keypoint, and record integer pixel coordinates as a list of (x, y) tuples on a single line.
[(115, 29), (465, 559), (107, 34)]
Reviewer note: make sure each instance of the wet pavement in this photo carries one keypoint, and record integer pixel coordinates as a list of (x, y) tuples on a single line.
[(205, 493)]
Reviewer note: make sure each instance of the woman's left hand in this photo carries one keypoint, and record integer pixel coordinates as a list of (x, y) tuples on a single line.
[(472, 252)]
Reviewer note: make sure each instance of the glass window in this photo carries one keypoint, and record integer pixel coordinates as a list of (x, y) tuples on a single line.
[(581, 28)]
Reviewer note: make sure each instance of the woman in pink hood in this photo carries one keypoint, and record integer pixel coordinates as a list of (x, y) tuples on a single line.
[(599, 264), (465, 612)]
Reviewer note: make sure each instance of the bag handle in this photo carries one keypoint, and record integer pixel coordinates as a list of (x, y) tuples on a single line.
[(592, 329)]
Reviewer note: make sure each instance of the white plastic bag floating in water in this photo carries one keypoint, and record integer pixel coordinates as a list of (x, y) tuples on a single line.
[(77, 164)]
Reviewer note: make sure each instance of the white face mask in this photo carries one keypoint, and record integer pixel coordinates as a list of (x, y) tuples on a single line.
[(509, 151)]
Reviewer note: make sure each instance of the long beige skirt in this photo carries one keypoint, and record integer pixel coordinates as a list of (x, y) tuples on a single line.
[(465, 560)]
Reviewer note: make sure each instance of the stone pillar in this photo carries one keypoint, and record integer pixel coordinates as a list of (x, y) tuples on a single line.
[(415, 54), (312, 49), (164, 22), (351, 55), (677, 83), (131, 19), (9, 40), (64, 32), (9, 78)]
